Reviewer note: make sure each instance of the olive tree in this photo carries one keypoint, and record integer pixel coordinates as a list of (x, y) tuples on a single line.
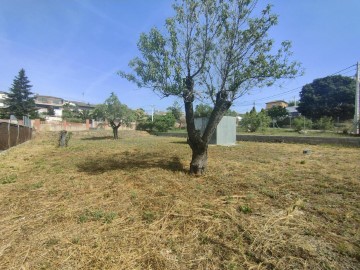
[(216, 50), (115, 113)]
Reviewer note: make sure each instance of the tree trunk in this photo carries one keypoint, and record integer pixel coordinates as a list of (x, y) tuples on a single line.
[(199, 143), (198, 146), (63, 138), (115, 132), (115, 128), (198, 163)]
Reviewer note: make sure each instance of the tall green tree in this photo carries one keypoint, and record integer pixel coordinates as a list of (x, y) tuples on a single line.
[(216, 50), (20, 100), (175, 109), (332, 96), (277, 113), (115, 113), (140, 115), (253, 121), (203, 110), (69, 111)]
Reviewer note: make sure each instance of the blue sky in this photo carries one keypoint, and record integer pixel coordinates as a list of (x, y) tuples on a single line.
[(73, 48)]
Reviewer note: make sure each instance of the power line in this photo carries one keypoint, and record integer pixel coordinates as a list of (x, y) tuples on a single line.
[(297, 88), (342, 70)]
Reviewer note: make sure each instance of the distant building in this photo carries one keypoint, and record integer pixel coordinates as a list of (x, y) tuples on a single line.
[(293, 112), (276, 103), (44, 102), (83, 106), (3, 96)]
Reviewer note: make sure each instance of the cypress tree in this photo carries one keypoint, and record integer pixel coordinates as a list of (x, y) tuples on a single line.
[(20, 101)]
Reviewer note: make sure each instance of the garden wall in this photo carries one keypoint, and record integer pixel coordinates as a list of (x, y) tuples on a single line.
[(13, 134), (70, 126), (346, 141)]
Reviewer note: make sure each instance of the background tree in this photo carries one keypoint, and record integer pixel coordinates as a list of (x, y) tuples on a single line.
[(277, 113), (175, 109), (140, 115), (115, 113), (215, 50), (203, 110), (71, 113), (231, 113), (253, 121), (20, 101), (332, 96), (50, 111), (293, 103), (163, 123), (84, 114), (98, 113)]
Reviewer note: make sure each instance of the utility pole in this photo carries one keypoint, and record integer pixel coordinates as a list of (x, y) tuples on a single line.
[(152, 113), (357, 99)]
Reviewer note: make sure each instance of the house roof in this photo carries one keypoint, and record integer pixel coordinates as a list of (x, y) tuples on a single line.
[(276, 101), (83, 104), (37, 96)]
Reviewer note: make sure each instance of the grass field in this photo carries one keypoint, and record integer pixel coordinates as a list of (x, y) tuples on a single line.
[(130, 204)]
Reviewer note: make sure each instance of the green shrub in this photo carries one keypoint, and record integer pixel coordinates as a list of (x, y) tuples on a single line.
[(253, 121), (345, 127), (146, 125), (302, 123), (163, 123), (324, 123)]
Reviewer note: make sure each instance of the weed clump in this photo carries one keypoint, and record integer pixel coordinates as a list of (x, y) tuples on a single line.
[(8, 179), (96, 215)]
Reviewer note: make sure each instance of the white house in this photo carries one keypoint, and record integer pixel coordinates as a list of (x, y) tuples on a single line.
[(3, 95)]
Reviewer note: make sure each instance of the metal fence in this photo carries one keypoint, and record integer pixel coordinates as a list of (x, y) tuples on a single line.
[(14, 132)]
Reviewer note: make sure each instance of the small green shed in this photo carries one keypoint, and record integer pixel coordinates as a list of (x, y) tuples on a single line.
[(225, 133)]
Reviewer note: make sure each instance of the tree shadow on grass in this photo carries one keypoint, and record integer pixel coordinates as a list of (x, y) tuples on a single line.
[(181, 142), (130, 162), (98, 138)]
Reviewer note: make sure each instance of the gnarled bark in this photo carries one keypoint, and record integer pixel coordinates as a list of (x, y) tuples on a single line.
[(115, 132), (199, 143), (64, 138), (198, 163), (115, 128)]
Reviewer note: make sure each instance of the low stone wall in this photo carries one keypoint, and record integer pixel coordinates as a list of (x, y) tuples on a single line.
[(346, 141)]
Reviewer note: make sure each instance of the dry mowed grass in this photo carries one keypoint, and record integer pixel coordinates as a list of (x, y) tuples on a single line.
[(130, 204)]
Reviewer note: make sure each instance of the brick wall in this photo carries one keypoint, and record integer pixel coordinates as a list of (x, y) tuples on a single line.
[(11, 135)]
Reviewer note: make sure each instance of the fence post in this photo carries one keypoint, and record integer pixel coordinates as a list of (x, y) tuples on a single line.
[(18, 133), (9, 138)]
